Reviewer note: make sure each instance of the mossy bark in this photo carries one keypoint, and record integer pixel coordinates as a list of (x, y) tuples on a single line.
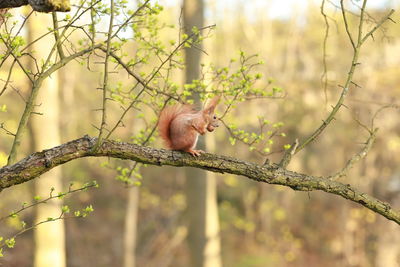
[(40, 162), (39, 5)]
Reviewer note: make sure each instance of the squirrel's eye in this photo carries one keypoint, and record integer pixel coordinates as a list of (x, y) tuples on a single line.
[(215, 117)]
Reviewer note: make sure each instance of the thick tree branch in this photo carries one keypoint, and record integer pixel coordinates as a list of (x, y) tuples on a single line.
[(41, 162), (38, 5)]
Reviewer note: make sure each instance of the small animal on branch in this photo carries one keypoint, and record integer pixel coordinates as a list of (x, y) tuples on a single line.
[(180, 125)]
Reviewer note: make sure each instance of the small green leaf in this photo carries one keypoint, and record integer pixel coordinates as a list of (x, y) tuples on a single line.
[(10, 242), (3, 108), (232, 141), (65, 209)]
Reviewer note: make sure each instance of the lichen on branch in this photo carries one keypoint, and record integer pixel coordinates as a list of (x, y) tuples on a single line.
[(38, 5), (40, 162)]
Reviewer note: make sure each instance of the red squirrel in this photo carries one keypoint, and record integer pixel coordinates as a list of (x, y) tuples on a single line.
[(179, 126)]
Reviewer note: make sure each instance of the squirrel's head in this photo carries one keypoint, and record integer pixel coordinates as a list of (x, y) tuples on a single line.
[(214, 123), (209, 114)]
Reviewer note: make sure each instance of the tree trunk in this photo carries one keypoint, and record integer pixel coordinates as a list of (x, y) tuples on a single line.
[(49, 237), (131, 227), (212, 250), (202, 212)]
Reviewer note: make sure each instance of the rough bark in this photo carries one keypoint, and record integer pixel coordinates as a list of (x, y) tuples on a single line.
[(38, 5), (2, 15), (40, 162)]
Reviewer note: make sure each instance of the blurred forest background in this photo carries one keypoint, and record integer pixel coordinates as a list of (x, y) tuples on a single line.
[(260, 224)]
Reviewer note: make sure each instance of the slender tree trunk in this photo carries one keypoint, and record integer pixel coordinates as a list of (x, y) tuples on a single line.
[(202, 212), (130, 232), (212, 250), (49, 237), (131, 219), (388, 252)]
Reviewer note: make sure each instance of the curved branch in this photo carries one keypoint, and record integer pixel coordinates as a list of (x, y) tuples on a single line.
[(40, 162), (356, 47), (357, 157)]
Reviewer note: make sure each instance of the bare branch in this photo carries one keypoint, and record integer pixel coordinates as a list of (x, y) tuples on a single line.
[(324, 76), (354, 63), (379, 24), (5, 129), (360, 25), (137, 77), (394, 106), (105, 80), (8, 78), (346, 24), (57, 36), (357, 157)]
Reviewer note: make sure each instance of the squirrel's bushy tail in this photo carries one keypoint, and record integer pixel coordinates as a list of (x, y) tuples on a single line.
[(167, 115)]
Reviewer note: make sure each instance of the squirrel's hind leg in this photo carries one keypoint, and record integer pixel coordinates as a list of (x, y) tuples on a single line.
[(195, 153)]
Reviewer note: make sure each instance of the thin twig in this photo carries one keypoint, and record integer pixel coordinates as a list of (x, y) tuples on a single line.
[(346, 24), (137, 77), (387, 17), (324, 76), (395, 106), (105, 80), (8, 77), (357, 157), (350, 74), (57, 36)]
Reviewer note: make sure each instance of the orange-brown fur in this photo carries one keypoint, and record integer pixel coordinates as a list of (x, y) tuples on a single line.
[(179, 126)]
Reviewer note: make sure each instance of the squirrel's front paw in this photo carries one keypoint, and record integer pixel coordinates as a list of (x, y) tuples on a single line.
[(195, 153)]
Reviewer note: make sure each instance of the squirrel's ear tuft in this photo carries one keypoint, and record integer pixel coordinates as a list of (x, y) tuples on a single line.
[(211, 105)]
